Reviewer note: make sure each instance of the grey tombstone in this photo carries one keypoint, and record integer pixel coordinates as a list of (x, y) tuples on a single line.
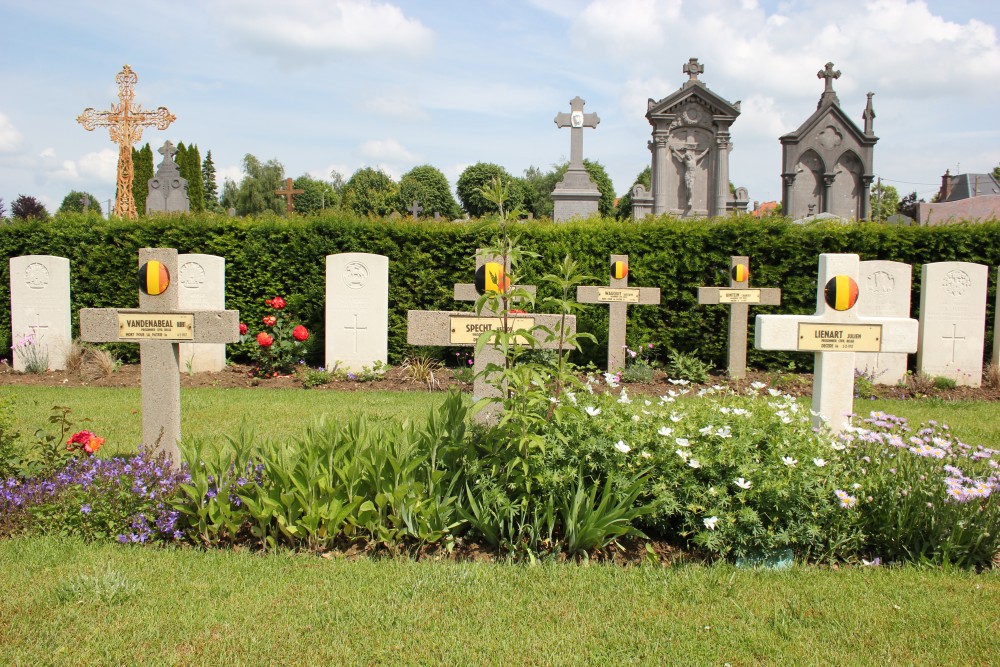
[(39, 307), (158, 325), (618, 295), (167, 190), (575, 195), (357, 310), (739, 296), (202, 281), (953, 321), (884, 291), (415, 209)]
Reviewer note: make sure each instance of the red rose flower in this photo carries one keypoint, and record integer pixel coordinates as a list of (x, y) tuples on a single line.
[(92, 445), (243, 329), (267, 302), (270, 320), (84, 440), (300, 333), (277, 303), (264, 339)]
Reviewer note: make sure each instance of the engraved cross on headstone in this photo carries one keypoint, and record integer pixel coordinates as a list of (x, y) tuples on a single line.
[(693, 68), (576, 120), (289, 193), (37, 325), (618, 295), (954, 338), (738, 296), (158, 325), (355, 329)]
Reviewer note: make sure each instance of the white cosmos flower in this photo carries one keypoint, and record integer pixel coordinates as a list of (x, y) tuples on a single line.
[(611, 379), (839, 446), (788, 461), (710, 522), (664, 431), (743, 484), (624, 397), (774, 392), (648, 402), (694, 463), (758, 385), (680, 382), (681, 453), (636, 418), (740, 411), (724, 432), (786, 420), (674, 417), (819, 463), (646, 455), (571, 396), (725, 410), (622, 447), (683, 442), (592, 411), (707, 430)]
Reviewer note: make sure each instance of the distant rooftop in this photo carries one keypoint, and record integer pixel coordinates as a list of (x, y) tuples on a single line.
[(965, 186)]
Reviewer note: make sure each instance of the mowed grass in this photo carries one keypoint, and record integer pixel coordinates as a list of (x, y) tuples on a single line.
[(67, 603)]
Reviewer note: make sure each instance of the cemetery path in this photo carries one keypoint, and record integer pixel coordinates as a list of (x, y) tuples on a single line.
[(399, 378)]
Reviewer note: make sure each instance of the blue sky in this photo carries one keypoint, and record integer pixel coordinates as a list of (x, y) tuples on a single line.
[(341, 84)]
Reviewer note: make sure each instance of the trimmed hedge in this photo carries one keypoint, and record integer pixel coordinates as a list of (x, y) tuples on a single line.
[(270, 256)]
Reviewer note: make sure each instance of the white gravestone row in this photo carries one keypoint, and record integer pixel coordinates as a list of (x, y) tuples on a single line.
[(884, 292), (953, 321), (202, 287), (39, 307), (357, 310)]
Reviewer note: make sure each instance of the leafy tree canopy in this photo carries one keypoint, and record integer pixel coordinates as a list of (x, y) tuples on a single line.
[(371, 192), (427, 185), (3, 209), (26, 207), (254, 195), (318, 196), (77, 202), (474, 178), (884, 201)]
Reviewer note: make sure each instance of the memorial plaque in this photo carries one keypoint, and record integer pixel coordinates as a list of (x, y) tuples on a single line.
[(155, 326), (840, 338), (739, 296), (618, 294), (465, 330)]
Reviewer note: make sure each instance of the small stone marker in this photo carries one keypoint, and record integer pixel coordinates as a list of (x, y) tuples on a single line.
[(835, 333), (739, 296), (202, 286), (158, 325), (953, 321), (357, 310), (289, 194), (416, 209), (618, 296), (39, 305), (885, 292)]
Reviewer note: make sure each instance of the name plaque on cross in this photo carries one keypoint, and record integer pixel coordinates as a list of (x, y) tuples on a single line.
[(618, 294), (739, 296), (465, 330), (843, 338), (155, 326)]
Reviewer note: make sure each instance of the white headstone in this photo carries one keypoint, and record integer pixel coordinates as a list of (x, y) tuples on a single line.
[(953, 321), (201, 286), (39, 306), (884, 292), (357, 310)]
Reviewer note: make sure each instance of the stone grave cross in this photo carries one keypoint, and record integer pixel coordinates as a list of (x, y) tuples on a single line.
[(739, 296), (289, 194), (618, 295), (693, 68), (158, 325), (834, 334), (416, 209), (576, 120)]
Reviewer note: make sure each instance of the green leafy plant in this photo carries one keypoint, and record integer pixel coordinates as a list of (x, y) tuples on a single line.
[(683, 366), (314, 377), (32, 353), (942, 382), (639, 364), (278, 347)]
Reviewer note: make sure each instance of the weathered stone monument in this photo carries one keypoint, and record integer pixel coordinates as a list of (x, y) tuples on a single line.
[(289, 194), (690, 146), (159, 325), (575, 195), (739, 296), (415, 209), (357, 310), (618, 295), (827, 161), (834, 334), (202, 281), (884, 292), (953, 321), (39, 306), (167, 190)]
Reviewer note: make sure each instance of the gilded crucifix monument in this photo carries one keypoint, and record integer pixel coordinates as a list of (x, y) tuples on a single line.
[(125, 121)]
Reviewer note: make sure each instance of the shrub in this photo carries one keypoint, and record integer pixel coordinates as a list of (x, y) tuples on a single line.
[(475, 178)]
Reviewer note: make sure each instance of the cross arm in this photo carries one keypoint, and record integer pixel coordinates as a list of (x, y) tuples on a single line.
[(781, 332), (100, 325), (467, 291), (592, 294), (768, 296)]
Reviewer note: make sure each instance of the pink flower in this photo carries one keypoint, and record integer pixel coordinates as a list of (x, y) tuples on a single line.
[(300, 333), (269, 320)]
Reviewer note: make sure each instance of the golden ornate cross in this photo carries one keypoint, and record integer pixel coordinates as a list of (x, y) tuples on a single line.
[(289, 193), (125, 121)]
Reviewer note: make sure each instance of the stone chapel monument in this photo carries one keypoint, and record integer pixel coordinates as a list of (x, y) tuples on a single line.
[(826, 164), (167, 190), (690, 147)]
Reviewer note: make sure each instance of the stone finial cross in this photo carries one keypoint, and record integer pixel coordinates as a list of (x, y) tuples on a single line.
[(738, 296), (167, 150), (618, 296), (158, 325), (693, 68), (829, 74), (834, 334), (289, 193), (576, 120), (415, 208), (125, 121)]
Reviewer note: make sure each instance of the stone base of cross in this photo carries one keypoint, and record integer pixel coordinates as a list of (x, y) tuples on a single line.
[(739, 297), (618, 296), (834, 334), (158, 325)]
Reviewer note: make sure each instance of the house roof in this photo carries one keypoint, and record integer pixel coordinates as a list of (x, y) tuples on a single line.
[(965, 186)]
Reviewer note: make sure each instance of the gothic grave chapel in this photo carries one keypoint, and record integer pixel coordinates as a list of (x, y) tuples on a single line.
[(826, 164), (690, 147)]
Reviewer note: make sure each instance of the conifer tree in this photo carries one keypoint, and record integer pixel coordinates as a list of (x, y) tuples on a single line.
[(210, 187), (191, 170), (142, 165)]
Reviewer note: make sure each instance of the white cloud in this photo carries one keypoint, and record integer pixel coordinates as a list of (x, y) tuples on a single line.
[(101, 167), (295, 30), (387, 150), (10, 138), (47, 153), (398, 106)]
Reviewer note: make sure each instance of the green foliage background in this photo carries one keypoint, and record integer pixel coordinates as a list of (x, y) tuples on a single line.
[(275, 256)]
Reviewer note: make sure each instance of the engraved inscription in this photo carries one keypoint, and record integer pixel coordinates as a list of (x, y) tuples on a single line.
[(192, 275), (355, 275), (739, 296), (155, 326), (36, 276), (956, 282), (466, 330), (618, 294), (840, 337), (880, 282)]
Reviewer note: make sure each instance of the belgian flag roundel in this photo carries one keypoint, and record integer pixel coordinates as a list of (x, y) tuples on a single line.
[(619, 270), (490, 277), (741, 273), (153, 278), (841, 292)]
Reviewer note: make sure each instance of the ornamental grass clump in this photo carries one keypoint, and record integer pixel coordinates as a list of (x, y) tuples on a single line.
[(923, 495), (278, 347)]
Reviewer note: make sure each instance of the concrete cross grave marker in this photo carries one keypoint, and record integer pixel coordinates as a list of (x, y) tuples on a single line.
[(834, 334), (618, 296), (289, 194), (416, 209), (576, 194), (158, 325), (739, 297), (462, 329)]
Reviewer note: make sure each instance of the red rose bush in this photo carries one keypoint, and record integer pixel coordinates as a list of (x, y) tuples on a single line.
[(276, 349)]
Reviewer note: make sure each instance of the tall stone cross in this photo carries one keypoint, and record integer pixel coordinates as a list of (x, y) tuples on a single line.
[(828, 74), (158, 325), (739, 297), (289, 194), (463, 329), (576, 120), (617, 295), (416, 209), (834, 334), (125, 121), (693, 68)]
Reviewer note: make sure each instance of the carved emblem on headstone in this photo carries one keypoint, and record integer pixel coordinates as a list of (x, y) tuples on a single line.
[(36, 276), (880, 282), (355, 275), (192, 275), (956, 282), (576, 119), (830, 137)]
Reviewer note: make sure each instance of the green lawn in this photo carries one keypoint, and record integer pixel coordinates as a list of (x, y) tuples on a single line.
[(69, 603)]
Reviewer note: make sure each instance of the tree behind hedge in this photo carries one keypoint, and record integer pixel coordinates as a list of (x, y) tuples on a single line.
[(142, 171), (26, 207), (429, 186), (371, 192), (73, 203), (318, 195), (474, 178), (255, 193), (210, 189), (189, 164)]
